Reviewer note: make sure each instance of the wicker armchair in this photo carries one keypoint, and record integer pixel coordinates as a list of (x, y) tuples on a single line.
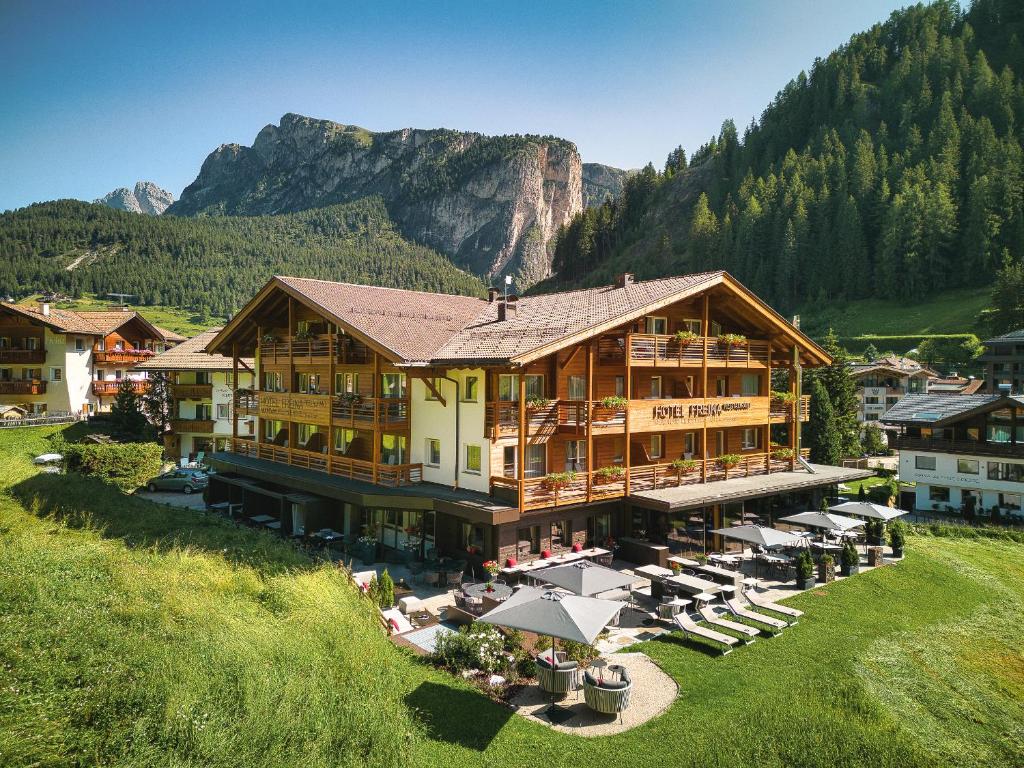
[(609, 698), (558, 679)]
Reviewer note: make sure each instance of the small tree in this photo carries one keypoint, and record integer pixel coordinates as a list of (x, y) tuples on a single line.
[(862, 494), (385, 590), (823, 433), (897, 536), (804, 567), (872, 441), (126, 416), (157, 401), (849, 556)]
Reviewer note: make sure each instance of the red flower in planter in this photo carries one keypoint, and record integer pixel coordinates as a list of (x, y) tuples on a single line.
[(577, 547), (545, 554), (510, 562)]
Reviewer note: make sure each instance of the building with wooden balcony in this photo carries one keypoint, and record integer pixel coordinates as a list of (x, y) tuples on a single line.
[(883, 382), (201, 389), (506, 427), (55, 360), (964, 452)]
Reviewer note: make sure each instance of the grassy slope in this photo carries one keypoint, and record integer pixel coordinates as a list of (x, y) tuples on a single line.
[(181, 321), (131, 634)]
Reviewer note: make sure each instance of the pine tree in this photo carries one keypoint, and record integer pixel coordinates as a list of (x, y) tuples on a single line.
[(704, 235), (126, 417), (156, 403), (841, 391), (822, 433)]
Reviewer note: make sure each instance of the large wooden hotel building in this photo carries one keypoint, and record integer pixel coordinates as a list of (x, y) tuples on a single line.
[(503, 427)]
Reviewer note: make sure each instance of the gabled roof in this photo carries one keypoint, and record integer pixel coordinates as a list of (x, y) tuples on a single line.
[(1007, 337), (191, 355), (902, 366), (89, 322), (940, 410)]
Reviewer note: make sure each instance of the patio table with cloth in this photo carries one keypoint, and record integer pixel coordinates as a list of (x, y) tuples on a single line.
[(498, 593)]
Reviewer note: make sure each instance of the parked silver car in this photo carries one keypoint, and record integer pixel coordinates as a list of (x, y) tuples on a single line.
[(184, 480)]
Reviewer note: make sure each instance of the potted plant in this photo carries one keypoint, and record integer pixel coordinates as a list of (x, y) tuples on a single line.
[(804, 571), (827, 569), (701, 558), (304, 334), (607, 475), (366, 549), (783, 454), (676, 567), (536, 403), (683, 467), (897, 537), (875, 531), (728, 461), (268, 338), (781, 396), (685, 337), (350, 398), (849, 560), (732, 339), (615, 402), (493, 569)]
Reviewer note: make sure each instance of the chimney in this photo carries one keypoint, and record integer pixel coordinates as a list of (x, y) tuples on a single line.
[(796, 322), (626, 278), (507, 307), (492, 294), (44, 307)]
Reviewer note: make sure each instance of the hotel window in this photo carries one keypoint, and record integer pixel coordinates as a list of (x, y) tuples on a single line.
[(204, 412), (536, 460), (716, 328), (656, 446), (56, 374), (924, 462), (346, 383), (31, 343), (309, 383), (273, 381), (721, 386), (620, 386), (655, 387), (691, 325), (751, 438), (392, 385), (79, 344), (6, 374), (967, 466), (575, 455), (561, 533), (577, 388), (600, 528), (392, 449), (223, 411), (750, 385), (472, 536), (343, 438), (688, 384), (508, 386), (436, 384), (1001, 470), (720, 442), (473, 459), (433, 452), (938, 493), (656, 325), (1009, 500), (509, 460), (471, 387), (689, 441), (5, 342), (271, 429), (528, 539), (618, 449)]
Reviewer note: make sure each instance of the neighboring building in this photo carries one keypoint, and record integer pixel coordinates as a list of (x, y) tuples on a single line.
[(955, 385), (883, 382), (62, 361), (455, 424), (961, 447), (1004, 364), (202, 387)]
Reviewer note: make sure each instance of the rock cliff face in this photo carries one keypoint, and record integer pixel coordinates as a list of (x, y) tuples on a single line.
[(146, 198), (491, 203), (601, 182)]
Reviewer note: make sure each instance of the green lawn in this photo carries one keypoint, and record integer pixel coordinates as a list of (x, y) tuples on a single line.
[(172, 318), (132, 634)]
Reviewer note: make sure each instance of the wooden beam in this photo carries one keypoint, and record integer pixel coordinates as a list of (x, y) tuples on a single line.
[(590, 421), (376, 431), (569, 359), (768, 424), (705, 327), (332, 340), (429, 382), (234, 394), (626, 455), (523, 426), (257, 385)]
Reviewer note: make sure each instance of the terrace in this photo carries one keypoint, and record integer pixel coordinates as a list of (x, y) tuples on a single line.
[(122, 356), (23, 387), (331, 463), (192, 391)]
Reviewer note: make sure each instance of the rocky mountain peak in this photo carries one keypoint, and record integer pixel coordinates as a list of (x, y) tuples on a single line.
[(145, 198)]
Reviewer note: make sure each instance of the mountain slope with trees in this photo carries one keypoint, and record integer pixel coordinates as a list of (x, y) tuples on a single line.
[(894, 169)]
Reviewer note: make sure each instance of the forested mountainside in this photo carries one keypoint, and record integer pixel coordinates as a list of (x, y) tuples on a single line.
[(490, 203), (894, 169), (601, 183), (210, 264)]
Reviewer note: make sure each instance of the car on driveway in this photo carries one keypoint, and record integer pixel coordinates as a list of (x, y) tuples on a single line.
[(184, 480)]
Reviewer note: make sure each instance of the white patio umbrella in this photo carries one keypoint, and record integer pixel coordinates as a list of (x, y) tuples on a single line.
[(825, 520), (585, 578), (760, 535), (867, 509), (555, 614)]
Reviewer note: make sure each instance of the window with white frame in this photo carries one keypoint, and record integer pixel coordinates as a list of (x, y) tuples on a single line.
[(656, 446), (968, 466), (575, 455), (689, 441), (938, 493), (223, 411), (343, 439), (433, 452), (924, 462), (471, 388), (751, 438), (750, 385), (691, 325), (620, 386), (577, 387), (655, 387), (656, 325), (56, 374), (79, 344), (473, 459)]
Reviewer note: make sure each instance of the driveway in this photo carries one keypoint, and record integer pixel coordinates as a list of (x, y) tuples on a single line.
[(174, 498)]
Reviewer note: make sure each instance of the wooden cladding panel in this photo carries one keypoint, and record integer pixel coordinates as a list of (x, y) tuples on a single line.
[(714, 413), (304, 409)]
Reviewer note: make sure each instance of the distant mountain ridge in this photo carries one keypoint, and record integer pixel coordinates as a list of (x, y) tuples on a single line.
[(145, 198), (492, 204), (601, 183)]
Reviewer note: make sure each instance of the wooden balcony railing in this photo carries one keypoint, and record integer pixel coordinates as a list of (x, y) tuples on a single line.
[(370, 411), (502, 418), (22, 356), (345, 348), (247, 402), (199, 426), (27, 387), (665, 351), (122, 356), (573, 416), (783, 412), (339, 466), (539, 493), (192, 391), (105, 388)]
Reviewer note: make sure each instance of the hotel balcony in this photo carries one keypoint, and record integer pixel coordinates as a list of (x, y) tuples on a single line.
[(28, 387), (22, 356), (663, 351), (192, 391), (331, 464), (317, 349), (197, 426), (105, 388), (962, 447), (122, 356), (782, 413), (542, 493), (342, 411)]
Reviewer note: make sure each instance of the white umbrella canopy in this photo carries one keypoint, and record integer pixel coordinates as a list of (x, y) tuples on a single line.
[(825, 520), (584, 577), (760, 535), (553, 613), (867, 509)]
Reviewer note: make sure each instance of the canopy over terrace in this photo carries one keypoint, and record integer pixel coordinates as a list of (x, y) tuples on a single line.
[(760, 535), (585, 578), (869, 510), (826, 520), (555, 614)]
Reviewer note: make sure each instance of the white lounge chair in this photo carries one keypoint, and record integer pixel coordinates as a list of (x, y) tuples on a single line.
[(763, 602), (739, 609), (709, 615), (690, 627)]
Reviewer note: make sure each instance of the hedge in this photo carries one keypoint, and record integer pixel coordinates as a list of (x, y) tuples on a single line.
[(857, 344), (126, 465)]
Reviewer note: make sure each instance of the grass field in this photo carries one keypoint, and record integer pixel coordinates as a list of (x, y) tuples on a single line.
[(179, 320), (132, 634)]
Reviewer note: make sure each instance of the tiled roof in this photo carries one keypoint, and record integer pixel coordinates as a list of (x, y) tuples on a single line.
[(191, 355), (935, 409), (1011, 336), (412, 324), (902, 365), (548, 318), (92, 322)]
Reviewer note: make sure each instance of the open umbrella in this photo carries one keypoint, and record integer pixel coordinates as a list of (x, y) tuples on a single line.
[(758, 534), (867, 509), (555, 614), (585, 578), (825, 520)]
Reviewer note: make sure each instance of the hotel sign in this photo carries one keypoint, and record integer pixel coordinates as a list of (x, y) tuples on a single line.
[(286, 406), (696, 412)]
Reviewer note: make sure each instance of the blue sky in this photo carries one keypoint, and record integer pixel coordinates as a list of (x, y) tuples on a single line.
[(98, 95)]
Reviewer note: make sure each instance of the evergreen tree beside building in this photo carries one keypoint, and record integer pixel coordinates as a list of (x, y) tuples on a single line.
[(822, 432)]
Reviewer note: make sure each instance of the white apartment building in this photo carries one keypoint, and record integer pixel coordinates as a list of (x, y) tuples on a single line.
[(884, 382)]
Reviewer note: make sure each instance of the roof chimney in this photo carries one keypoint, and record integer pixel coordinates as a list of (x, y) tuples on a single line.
[(44, 308), (492, 294), (507, 307), (626, 278)]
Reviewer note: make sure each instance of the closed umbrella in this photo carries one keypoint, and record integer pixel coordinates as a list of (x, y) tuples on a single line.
[(867, 509), (585, 578)]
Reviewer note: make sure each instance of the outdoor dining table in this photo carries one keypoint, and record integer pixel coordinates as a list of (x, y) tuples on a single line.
[(653, 571), (498, 593), (694, 585)]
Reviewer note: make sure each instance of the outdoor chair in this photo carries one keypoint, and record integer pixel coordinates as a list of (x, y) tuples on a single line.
[(430, 578), (763, 602), (609, 697), (708, 614), (738, 609), (690, 627), (558, 678), (454, 578)]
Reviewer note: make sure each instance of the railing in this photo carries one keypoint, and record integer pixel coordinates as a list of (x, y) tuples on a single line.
[(36, 421), (122, 355), (247, 402), (199, 426), (502, 418), (540, 493), (783, 412), (338, 466), (192, 391), (573, 416), (647, 349), (940, 445), (368, 411), (22, 356), (27, 387), (345, 348), (103, 388)]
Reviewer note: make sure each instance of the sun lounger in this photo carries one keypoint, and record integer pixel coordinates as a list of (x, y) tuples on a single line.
[(690, 627), (739, 609), (762, 602), (709, 615)]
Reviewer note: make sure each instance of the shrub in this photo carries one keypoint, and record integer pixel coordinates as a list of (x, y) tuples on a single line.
[(684, 465), (581, 653), (610, 473), (897, 534), (126, 465), (849, 556), (804, 566), (783, 454), (385, 590), (479, 646), (783, 396)]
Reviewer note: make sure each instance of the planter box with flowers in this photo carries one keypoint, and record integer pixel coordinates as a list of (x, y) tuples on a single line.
[(607, 475), (537, 403), (729, 461), (607, 408), (557, 481), (365, 549), (732, 340), (684, 467), (684, 338)]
